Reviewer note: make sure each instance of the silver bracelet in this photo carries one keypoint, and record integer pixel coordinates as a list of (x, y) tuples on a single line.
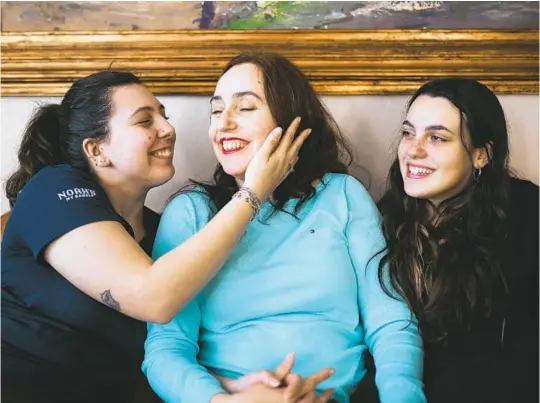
[(247, 195)]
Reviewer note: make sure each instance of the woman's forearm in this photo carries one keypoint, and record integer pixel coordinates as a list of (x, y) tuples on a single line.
[(102, 259), (176, 277)]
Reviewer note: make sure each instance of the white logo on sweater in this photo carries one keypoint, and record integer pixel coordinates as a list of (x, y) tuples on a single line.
[(76, 193)]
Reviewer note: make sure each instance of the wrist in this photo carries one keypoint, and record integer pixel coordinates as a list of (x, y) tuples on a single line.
[(247, 195), (259, 190)]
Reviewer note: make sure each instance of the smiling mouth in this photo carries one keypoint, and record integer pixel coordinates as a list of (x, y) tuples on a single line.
[(416, 172), (232, 146), (166, 153)]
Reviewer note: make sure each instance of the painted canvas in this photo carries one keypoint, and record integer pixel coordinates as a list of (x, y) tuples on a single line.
[(171, 15)]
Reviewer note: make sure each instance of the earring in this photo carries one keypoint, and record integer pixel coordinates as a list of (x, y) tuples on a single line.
[(476, 173), (101, 162)]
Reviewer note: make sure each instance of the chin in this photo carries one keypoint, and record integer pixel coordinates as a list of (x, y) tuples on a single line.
[(236, 173), (164, 176), (418, 192)]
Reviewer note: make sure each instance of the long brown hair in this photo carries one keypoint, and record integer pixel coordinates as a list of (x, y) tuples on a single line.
[(444, 260)]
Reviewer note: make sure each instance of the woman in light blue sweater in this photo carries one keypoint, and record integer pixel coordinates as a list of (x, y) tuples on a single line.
[(302, 279)]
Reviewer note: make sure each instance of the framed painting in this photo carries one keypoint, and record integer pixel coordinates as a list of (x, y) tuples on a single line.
[(377, 47)]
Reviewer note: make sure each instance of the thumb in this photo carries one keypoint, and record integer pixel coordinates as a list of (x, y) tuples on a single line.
[(285, 367), (260, 377), (270, 143)]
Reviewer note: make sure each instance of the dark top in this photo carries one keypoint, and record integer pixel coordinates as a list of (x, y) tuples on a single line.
[(57, 342), (496, 361)]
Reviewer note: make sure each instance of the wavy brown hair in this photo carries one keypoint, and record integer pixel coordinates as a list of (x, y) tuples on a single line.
[(444, 260), (289, 94)]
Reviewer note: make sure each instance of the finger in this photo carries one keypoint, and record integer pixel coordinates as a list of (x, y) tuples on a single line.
[(292, 164), (288, 137), (285, 367), (270, 143), (310, 397), (264, 377), (299, 142), (325, 396), (260, 377), (312, 381), (293, 391)]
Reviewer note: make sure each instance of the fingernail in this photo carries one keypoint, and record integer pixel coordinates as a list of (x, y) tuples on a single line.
[(276, 132), (308, 131), (274, 382)]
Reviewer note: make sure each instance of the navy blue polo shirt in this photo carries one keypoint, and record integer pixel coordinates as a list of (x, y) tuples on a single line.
[(59, 342)]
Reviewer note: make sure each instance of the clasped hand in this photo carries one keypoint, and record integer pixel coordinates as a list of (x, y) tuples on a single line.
[(280, 386)]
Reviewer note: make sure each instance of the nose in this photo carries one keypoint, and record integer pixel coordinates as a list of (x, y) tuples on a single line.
[(166, 129), (227, 121), (416, 149)]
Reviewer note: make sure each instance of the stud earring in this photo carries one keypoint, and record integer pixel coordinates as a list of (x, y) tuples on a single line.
[(101, 162)]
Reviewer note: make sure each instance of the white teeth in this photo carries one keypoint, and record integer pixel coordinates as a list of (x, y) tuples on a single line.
[(233, 145), (420, 171), (166, 152)]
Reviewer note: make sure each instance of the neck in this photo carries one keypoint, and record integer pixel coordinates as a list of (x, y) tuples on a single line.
[(128, 203)]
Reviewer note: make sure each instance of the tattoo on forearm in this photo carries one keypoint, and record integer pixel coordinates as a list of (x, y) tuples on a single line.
[(107, 299)]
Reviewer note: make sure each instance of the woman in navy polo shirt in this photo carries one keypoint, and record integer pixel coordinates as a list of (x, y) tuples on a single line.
[(77, 280)]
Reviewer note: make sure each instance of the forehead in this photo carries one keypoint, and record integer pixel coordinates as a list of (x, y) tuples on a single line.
[(240, 78), (430, 111), (128, 98)]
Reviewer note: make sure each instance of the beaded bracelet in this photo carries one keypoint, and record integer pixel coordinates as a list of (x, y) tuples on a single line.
[(246, 194)]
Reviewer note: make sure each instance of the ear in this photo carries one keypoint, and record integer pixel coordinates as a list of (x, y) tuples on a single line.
[(94, 153), (482, 156)]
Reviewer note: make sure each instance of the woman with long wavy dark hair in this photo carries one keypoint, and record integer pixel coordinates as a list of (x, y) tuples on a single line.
[(301, 280), (462, 245)]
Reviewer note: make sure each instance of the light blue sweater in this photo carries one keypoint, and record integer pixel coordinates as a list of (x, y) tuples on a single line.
[(306, 286)]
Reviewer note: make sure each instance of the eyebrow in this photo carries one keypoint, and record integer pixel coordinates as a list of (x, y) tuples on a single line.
[(237, 95), (431, 128), (147, 109)]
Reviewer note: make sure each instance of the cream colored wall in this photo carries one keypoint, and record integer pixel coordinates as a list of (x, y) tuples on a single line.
[(369, 122)]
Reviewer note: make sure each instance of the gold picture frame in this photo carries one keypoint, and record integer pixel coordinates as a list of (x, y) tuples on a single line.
[(338, 62)]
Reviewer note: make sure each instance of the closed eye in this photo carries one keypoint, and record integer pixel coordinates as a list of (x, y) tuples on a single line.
[(406, 133), (216, 112), (438, 139)]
